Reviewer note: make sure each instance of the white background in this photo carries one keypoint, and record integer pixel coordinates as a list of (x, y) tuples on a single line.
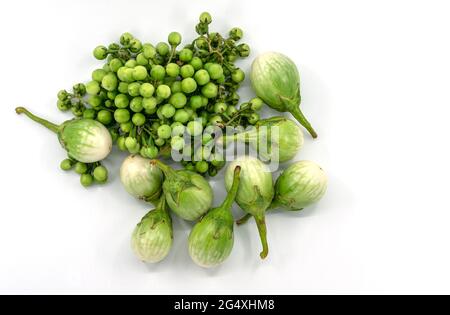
[(375, 84)]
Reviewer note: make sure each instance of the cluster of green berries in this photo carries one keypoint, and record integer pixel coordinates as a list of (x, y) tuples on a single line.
[(151, 96), (89, 172)]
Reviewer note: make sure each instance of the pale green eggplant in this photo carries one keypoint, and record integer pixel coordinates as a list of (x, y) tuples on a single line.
[(299, 186), (187, 193), (211, 239), (276, 80), (85, 140), (141, 178), (153, 236), (275, 139), (255, 192)]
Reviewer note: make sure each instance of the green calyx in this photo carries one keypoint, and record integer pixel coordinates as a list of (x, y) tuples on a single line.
[(159, 215), (175, 181), (188, 194)]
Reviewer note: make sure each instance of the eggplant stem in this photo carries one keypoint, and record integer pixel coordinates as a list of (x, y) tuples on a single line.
[(228, 202), (261, 224), (49, 125), (166, 169), (244, 219), (162, 205), (297, 113)]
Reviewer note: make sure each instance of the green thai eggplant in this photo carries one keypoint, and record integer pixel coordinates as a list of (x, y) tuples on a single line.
[(187, 193), (275, 139), (141, 178), (255, 192), (85, 140), (276, 81), (211, 239), (153, 236)]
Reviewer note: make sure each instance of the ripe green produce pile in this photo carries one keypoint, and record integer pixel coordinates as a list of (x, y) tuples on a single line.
[(156, 100)]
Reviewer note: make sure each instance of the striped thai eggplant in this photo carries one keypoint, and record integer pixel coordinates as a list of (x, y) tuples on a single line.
[(276, 81), (85, 140)]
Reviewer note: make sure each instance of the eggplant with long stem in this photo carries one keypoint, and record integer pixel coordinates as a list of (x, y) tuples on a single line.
[(211, 239), (85, 140), (275, 139), (255, 192), (276, 81)]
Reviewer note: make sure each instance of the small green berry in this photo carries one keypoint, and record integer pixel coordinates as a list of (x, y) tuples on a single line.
[(205, 17), (135, 45), (86, 180), (201, 166), (244, 50), (167, 110), (138, 119), (121, 101), (125, 38), (215, 71), (92, 88), (89, 113), (164, 132), (188, 85), (100, 174), (202, 77), (172, 70), (187, 71), (115, 64), (186, 55), (210, 90), (256, 103), (100, 52), (163, 91), (134, 89), (162, 49), (146, 89), (66, 164), (148, 51), (158, 72), (174, 39), (105, 117), (139, 73), (80, 168), (121, 115), (238, 76), (236, 33), (110, 82), (196, 102)]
